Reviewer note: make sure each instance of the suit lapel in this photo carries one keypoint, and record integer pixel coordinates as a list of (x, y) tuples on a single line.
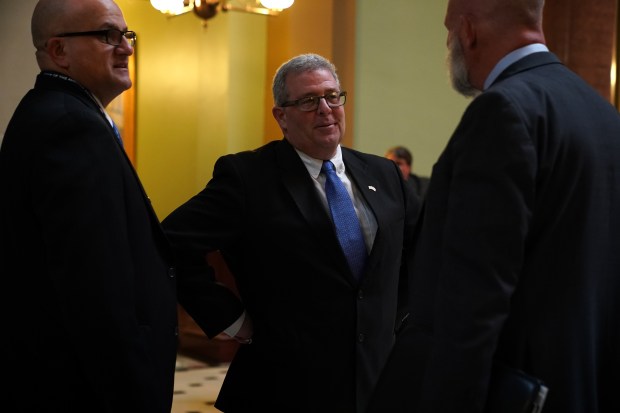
[(366, 184), (372, 191), (55, 82), (299, 184), (374, 194)]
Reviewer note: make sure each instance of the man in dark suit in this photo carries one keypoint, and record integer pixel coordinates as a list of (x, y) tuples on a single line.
[(516, 260), (321, 335), (89, 306)]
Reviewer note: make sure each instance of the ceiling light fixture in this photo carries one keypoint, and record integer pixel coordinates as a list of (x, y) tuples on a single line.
[(207, 9)]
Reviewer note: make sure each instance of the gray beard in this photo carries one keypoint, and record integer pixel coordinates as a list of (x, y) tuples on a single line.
[(458, 70)]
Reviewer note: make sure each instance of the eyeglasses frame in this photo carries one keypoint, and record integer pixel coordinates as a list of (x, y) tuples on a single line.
[(105, 32), (317, 99)]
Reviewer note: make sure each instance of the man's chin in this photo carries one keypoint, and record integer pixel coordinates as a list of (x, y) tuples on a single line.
[(468, 92), (125, 83), (464, 88)]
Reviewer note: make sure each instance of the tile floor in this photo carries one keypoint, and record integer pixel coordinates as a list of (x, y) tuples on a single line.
[(196, 386)]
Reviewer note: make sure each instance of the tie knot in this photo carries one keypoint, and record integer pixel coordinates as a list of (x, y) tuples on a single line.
[(328, 166)]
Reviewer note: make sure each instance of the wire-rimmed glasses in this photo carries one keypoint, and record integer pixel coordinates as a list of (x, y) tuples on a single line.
[(311, 103)]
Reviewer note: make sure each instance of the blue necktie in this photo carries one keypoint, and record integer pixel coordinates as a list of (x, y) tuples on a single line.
[(348, 229), (117, 133)]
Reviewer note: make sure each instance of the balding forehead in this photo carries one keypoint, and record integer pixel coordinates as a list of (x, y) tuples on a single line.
[(51, 17)]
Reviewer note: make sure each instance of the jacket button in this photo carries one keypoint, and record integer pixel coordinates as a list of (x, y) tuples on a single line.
[(172, 272), (361, 337), (360, 294)]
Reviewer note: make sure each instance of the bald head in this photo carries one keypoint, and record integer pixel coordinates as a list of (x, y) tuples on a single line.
[(86, 56), (51, 17), (526, 13)]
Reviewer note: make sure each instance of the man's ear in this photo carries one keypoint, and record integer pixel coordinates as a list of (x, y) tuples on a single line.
[(280, 117), (467, 32), (56, 50)]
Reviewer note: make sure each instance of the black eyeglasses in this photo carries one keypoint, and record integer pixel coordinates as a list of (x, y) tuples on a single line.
[(112, 37), (310, 103)]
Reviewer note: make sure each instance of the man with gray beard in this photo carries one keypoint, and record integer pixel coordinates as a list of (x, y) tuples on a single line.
[(516, 257)]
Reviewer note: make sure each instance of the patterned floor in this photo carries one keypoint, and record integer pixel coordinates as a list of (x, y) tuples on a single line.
[(196, 386)]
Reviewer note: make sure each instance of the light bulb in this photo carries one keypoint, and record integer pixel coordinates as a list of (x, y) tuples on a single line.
[(277, 4), (169, 6)]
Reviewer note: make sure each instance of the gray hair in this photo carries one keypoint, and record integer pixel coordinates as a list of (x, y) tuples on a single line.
[(303, 63)]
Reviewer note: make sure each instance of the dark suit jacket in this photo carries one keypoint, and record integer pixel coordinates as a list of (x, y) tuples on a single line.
[(320, 338), (89, 306), (517, 255), (419, 184)]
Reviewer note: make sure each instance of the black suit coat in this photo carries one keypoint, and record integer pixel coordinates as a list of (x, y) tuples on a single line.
[(517, 255), (419, 184), (89, 306), (320, 338)]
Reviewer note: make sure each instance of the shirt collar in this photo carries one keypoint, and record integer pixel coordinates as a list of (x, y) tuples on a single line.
[(512, 57), (314, 165)]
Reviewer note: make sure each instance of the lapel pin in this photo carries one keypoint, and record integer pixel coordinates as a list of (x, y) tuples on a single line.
[(372, 188)]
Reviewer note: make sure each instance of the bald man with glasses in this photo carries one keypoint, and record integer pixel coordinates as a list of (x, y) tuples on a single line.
[(89, 309)]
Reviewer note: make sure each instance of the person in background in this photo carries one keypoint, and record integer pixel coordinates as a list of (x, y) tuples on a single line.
[(89, 304), (324, 318), (403, 158), (516, 261)]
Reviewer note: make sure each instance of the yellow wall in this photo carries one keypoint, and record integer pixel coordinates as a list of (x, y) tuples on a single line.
[(198, 89), (403, 92), (205, 91), (202, 92)]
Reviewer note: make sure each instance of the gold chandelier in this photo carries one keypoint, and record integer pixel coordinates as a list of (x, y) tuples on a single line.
[(207, 9)]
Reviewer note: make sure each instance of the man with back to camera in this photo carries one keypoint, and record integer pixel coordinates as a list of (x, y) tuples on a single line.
[(516, 259)]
